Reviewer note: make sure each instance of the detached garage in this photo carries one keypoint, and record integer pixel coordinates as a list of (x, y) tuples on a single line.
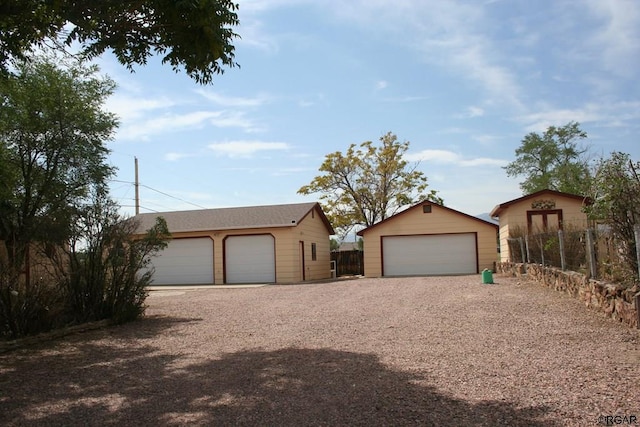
[(429, 239), (255, 244)]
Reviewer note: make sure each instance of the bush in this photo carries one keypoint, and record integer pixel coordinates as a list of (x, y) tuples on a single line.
[(102, 273)]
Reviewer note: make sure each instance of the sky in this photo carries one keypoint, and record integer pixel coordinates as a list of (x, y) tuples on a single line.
[(462, 81)]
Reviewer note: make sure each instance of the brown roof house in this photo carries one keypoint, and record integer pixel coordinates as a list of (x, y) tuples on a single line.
[(259, 244), (538, 212), (429, 239)]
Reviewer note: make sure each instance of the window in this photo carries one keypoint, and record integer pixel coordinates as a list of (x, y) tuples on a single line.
[(426, 208), (314, 254)]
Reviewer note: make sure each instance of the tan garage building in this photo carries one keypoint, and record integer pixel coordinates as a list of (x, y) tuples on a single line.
[(429, 239), (258, 244)]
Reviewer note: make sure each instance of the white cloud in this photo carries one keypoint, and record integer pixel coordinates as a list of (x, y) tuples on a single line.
[(470, 113), (305, 104), (450, 157), (244, 148), (232, 101), (475, 112), (172, 157), (312, 100), (254, 36), (485, 139), (438, 156), (617, 40), (483, 161), (604, 114), (403, 99), (130, 108), (237, 119), (449, 34), (173, 123), (381, 84)]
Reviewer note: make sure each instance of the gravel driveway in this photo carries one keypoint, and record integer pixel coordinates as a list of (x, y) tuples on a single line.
[(442, 351)]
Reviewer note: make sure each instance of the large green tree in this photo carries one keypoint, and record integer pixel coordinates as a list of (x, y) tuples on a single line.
[(53, 132), (368, 183), (191, 35), (56, 216), (554, 160)]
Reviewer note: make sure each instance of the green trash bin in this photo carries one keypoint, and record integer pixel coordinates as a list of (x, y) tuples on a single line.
[(487, 276)]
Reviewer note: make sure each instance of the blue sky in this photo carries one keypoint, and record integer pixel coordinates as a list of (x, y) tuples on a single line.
[(463, 81)]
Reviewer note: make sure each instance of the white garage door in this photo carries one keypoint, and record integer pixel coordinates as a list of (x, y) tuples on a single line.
[(429, 255), (250, 259), (185, 262)]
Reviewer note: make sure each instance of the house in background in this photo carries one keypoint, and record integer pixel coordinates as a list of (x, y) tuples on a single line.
[(538, 212), (429, 239), (259, 244)]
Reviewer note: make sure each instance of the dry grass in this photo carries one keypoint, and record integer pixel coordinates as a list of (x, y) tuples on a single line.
[(443, 351)]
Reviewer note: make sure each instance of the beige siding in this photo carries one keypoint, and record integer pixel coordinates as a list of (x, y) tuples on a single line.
[(287, 240), (313, 230), (439, 221), (504, 245), (514, 218)]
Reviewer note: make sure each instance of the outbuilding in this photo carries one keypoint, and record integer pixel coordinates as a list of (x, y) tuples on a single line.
[(542, 211), (429, 239), (258, 244)]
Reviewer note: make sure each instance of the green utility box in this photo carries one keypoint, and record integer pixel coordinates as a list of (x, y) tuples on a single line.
[(487, 276)]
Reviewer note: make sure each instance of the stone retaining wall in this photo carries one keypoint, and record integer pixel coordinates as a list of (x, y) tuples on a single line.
[(614, 300)]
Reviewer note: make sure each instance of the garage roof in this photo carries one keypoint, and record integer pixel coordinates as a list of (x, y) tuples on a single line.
[(417, 206), (288, 215)]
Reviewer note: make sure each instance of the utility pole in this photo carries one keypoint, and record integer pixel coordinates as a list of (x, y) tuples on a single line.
[(137, 185)]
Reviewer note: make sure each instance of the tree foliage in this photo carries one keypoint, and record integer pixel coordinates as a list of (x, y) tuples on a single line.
[(368, 183), (194, 35), (554, 160), (52, 136), (615, 197), (56, 217)]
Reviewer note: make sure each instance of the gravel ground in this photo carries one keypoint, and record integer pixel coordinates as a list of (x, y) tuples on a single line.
[(442, 351)]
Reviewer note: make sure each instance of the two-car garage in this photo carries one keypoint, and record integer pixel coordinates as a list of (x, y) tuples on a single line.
[(429, 239), (190, 261), (284, 243)]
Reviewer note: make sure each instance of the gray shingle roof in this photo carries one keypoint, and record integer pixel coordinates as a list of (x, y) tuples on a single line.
[(232, 218)]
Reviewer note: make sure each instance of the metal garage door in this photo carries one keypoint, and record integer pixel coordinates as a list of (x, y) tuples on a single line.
[(185, 262), (429, 255), (250, 259)]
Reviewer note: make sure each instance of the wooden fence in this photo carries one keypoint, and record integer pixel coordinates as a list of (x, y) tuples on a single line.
[(348, 263)]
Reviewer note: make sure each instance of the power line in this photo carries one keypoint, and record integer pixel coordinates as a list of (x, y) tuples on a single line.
[(133, 206), (173, 197), (160, 192)]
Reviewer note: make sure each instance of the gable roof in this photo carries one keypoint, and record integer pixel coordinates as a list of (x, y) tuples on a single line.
[(501, 207), (270, 216), (419, 205)]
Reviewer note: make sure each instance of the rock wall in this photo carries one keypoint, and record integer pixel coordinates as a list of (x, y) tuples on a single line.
[(616, 301)]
